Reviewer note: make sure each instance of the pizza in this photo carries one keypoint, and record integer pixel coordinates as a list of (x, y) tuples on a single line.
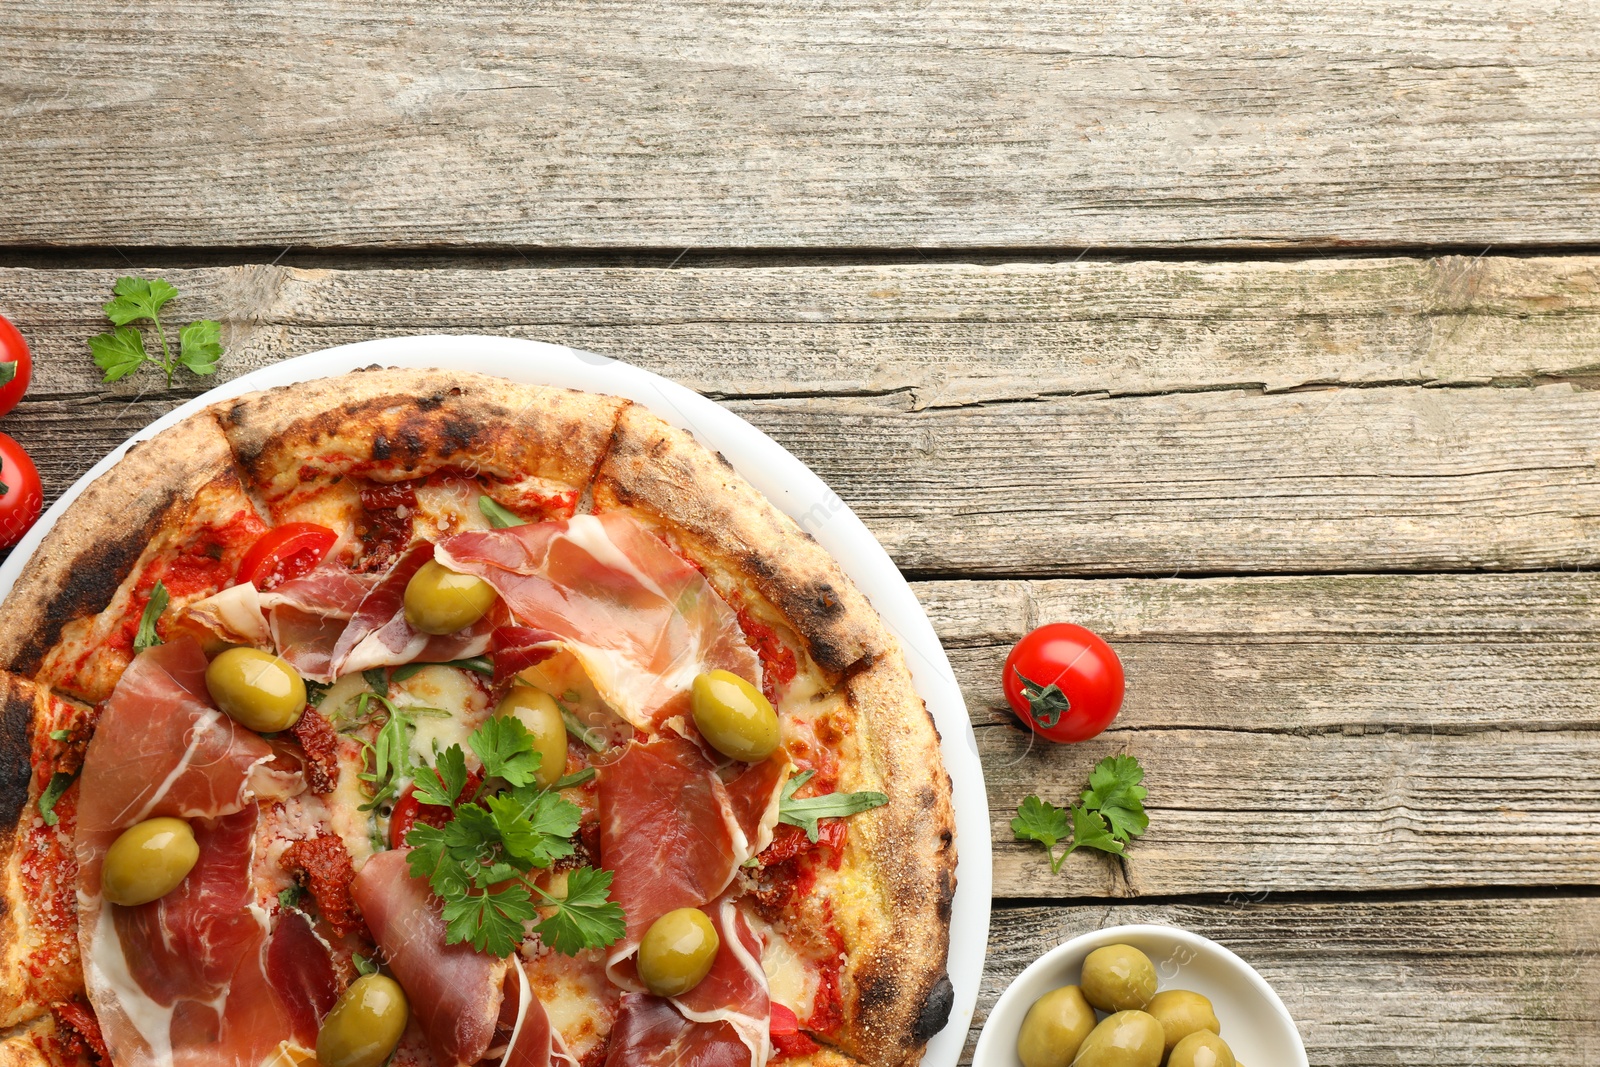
[(427, 718)]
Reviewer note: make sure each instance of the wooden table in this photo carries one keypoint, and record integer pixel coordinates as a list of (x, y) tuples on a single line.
[(1261, 338)]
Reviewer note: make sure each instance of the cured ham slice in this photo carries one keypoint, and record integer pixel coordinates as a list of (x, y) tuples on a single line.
[(308, 615), (734, 991), (455, 992), (379, 636), (673, 834), (643, 622), (650, 1032), (182, 980)]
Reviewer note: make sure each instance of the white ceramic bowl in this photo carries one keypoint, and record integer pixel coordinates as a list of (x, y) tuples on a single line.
[(1254, 1021)]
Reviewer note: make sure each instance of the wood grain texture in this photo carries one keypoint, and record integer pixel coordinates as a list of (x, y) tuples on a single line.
[(674, 123), (1509, 981), (916, 392), (1334, 733)]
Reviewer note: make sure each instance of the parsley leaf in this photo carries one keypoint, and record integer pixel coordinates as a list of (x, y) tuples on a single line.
[(535, 829), (146, 636), (805, 813), (443, 784), (490, 921), (58, 784), (118, 353), (1114, 791), (1111, 813), (1041, 821), (498, 517), (506, 748), (478, 862), (1089, 831), (200, 346), (585, 916), (121, 352), (138, 299)]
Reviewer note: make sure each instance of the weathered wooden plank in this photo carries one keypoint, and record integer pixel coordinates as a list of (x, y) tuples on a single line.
[(1414, 983), (1337, 733), (1368, 478), (1425, 654), (674, 123), (941, 334)]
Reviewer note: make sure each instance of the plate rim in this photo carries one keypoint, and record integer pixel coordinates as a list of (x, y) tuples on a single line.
[(788, 484)]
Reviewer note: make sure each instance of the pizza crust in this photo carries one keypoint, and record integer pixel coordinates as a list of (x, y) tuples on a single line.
[(668, 478), (40, 1043), (95, 545), (392, 424), (38, 923)]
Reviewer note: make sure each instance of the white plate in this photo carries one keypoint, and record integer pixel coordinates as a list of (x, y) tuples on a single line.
[(1254, 1021), (786, 481)]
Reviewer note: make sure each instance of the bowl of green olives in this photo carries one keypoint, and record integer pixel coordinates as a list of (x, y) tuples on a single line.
[(1139, 996)]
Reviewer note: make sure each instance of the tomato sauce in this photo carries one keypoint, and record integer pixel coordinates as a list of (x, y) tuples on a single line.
[(778, 665), (385, 528)]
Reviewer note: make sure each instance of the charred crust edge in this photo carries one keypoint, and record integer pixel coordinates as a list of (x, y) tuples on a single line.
[(17, 709)]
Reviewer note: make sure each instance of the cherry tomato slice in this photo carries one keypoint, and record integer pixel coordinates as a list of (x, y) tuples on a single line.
[(284, 553), (1064, 682), (16, 366), (21, 497), (787, 1037)]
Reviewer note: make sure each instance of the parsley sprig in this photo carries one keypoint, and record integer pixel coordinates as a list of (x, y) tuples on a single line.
[(478, 863), (805, 812), (121, 352), (1110, 813)]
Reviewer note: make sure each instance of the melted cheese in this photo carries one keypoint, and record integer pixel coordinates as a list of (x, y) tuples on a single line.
[(580, 1002), (791, 980), (447, 507), (445, 689)]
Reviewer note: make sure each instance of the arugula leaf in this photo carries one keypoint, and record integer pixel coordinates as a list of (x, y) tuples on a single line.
[(118, 353), (443, 784), (138, 299), (1114, 791), (498, 517), (567, 781), (576, 727), (386, 760), (1089, 831), (585, 917), (480, 664), (805, 813), (315, 691), (1041, 821), (363, 965), (200, 346), (62, 735), (506, 748), (377, 680), (290, 898), (146, 636), (58, 784), (490, 921)]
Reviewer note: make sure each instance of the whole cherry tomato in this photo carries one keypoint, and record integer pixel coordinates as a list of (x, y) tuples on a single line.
[(1064, 682), (16, 366), (21, 498), (284, 553)]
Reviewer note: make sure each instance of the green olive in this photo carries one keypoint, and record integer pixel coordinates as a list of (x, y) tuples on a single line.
[(1126, 1039), (148, 861), (677, 952), (538, 711), (733, 716), (257, 688), (1201, 1049), (365, 1025), (1054, 1028), (440, 601), (1182, 1013), (1118, 978)]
